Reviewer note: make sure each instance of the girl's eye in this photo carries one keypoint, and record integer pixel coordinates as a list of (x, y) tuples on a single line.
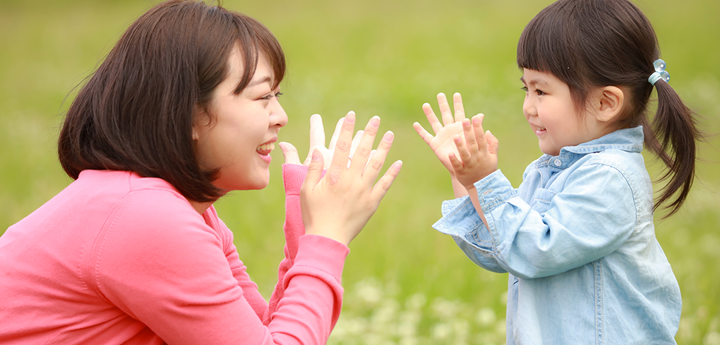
[(524, 88), (278, 94), (540, 92)]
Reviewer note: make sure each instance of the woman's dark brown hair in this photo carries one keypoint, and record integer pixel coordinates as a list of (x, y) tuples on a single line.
[(596, 43), (136, 111)]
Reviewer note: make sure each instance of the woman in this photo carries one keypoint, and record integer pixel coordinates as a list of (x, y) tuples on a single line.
[(184, 109)]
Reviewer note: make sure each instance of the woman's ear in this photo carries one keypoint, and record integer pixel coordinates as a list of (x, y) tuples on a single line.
[(608, 103), (201, 120), (195, 135)]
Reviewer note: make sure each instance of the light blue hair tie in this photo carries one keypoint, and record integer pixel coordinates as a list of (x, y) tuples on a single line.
[(659, 73)]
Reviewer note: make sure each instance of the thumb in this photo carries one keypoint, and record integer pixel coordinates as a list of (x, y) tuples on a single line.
[(493, 143), (290, 153), (315, 169)]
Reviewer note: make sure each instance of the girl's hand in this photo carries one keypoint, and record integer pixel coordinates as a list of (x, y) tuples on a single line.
[(477, 153), (442, 143), (317, 142), (339, 204)]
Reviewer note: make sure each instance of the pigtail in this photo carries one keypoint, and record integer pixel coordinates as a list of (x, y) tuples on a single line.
[(673, 141)]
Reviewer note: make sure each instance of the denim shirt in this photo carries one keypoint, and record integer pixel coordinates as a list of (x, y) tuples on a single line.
[(578, 241)]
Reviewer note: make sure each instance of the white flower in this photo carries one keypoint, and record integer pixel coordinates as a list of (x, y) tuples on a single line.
[(485, 317)]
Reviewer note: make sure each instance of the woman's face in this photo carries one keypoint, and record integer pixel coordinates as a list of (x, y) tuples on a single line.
[(243, 129)]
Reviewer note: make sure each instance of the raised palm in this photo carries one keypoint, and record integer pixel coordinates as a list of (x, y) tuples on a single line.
[(442, 142)]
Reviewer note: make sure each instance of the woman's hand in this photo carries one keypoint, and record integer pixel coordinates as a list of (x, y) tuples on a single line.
[(339, 204), (317, 142), (477, 153), (442, 143)]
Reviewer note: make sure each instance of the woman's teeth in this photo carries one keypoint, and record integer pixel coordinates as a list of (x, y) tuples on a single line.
[(265, 148)]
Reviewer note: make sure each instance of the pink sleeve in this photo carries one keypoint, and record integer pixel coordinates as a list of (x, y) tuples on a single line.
[(159, 262), (293, 177)]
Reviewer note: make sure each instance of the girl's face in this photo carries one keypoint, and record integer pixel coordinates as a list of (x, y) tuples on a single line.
[(244, 128), (550, 111)]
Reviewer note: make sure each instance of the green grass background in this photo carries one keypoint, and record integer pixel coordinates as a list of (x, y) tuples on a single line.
[(381, 58)]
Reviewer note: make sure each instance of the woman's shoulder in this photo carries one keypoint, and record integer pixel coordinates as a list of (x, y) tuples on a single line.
[(128, 198)]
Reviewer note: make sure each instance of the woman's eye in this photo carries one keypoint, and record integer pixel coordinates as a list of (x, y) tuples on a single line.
[(271, 95), (524, 88), (540, 92)]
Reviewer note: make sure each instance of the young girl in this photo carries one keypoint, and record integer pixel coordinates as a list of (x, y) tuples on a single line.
[(577, 237)]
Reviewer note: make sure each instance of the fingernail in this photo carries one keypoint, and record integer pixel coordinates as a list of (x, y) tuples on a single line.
[(375, 121), (388, 136), (398, 165), (350, 117), (316, 155), (440, 94)]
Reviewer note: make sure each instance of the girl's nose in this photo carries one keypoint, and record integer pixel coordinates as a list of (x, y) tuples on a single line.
[(529, 107)]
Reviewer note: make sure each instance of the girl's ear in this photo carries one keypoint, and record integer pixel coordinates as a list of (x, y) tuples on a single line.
[(609, 103)]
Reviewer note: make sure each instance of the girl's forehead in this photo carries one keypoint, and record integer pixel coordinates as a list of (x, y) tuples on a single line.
[(532, 77)]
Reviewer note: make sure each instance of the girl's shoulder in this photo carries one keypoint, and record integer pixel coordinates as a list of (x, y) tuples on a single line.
[(629, 164)]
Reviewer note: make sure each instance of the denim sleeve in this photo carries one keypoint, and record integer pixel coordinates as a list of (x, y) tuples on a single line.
[(462, 222), (589, 218)]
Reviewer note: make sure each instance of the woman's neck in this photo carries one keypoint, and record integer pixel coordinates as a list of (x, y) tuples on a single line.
[(200, 207)]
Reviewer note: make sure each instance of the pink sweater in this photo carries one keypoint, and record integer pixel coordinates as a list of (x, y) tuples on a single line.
[(119, 259)]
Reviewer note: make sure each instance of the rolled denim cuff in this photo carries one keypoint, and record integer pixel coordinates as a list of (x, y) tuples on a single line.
[(462, 222), (460, 219), (494, 190)]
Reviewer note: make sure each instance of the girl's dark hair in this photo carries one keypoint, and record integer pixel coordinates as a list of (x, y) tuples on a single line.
[(136, 112), (596, 43)]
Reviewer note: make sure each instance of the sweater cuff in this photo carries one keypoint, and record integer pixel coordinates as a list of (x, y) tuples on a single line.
[(322, 253), (293, 177)]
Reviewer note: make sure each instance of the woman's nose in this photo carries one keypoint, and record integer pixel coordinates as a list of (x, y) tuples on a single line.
[(278, 117)]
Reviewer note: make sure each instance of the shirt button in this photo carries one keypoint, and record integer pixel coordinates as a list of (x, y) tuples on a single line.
[(558, 163)]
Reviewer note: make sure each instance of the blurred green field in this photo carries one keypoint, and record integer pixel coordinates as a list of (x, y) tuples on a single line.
[(405, 283)]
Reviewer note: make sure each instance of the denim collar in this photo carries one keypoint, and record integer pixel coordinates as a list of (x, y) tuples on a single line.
[(628, 139)]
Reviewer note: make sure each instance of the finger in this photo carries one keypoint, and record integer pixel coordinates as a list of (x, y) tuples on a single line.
[(314, 173), (432, 118), (456, 163), (335, 135), (372, 153), (447, 117), (479, 132), (427, 137), (372, 170), (463, 152), (317, 132), (342, 147), (469, 134), (384, 184), (355, 142), (364, 147), (493, 143), (458, 107), (290, 153)]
